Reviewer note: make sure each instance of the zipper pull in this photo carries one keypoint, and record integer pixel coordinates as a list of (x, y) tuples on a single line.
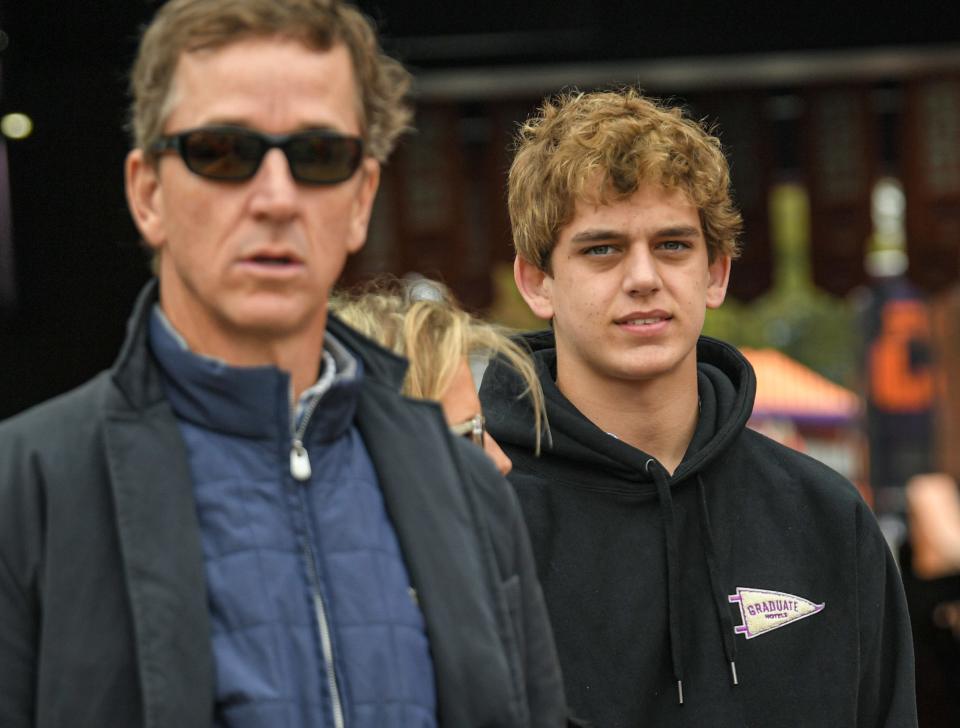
[(299, 461)]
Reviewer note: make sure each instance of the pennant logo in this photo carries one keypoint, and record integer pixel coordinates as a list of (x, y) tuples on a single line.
[(763, 610)]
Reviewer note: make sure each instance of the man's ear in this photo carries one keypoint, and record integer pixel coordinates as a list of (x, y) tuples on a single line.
[(363, 204), (719, 273), (536, 287), (144, 199)]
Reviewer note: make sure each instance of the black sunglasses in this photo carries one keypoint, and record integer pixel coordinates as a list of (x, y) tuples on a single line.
[(232, 153)]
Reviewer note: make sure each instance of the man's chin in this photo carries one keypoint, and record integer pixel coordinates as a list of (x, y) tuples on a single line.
[(276, 320), (653, 368)]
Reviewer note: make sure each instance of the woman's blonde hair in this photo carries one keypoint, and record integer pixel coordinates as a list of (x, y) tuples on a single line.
[(420, 320), (600, 146)]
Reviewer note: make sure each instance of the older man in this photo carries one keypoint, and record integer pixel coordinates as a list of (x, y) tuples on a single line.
[(242, 523)]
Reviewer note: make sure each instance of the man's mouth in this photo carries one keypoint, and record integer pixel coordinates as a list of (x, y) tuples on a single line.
[(278, 264), (275, 257), (642, 321), (272, 260)]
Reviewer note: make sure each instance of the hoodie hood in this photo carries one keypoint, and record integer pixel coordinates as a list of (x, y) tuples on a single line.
[(576, 447)]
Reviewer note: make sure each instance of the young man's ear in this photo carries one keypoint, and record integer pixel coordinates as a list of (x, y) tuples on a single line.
[(719, 272), (536, 287), (143, 198)]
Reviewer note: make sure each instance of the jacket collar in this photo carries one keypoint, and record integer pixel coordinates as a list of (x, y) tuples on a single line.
[(133, 371), (141, 382), (379, 363), (159, 536)]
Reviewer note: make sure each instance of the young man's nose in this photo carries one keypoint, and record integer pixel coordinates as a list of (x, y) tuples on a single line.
[(640, 275)]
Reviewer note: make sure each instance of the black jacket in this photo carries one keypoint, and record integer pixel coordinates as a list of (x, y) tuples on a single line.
[(103, 614), (642, 572)]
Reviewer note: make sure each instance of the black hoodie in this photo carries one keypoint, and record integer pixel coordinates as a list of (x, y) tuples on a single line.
[(752, 564)]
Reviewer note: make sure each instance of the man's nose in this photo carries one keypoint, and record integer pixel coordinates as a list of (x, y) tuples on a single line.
[(275, 193), (641, 274)]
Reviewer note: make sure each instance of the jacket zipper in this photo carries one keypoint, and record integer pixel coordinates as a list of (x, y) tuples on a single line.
[(300, 469), (326, 644)]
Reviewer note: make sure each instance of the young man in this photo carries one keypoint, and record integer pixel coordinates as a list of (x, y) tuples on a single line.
[(696, 573), (242, 523)]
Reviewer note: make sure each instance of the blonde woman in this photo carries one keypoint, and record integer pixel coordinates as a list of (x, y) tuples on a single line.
[(420, 320)]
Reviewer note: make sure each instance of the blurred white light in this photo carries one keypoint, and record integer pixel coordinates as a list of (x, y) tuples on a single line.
[(16, 126), (886, 263), (888, 201)]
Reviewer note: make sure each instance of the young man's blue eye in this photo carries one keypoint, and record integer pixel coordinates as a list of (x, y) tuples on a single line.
[(599, 250)]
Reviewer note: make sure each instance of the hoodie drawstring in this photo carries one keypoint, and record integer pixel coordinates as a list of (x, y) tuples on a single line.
[(725, 622), (673, 570), (719, 599)]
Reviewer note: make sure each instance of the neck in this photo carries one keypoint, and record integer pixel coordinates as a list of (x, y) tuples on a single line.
[(658, 416), (298, 354)]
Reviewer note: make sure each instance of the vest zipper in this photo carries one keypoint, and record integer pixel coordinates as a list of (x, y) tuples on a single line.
[(326, 644), (299, 457), (301, 471), (300, 462)]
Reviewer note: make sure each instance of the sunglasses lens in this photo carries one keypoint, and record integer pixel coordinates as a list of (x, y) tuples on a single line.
[(222, 154), (323, 158)]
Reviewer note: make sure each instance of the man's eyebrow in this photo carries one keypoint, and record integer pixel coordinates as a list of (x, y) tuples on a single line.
[(593, 235), (597, 235), (679, 231)]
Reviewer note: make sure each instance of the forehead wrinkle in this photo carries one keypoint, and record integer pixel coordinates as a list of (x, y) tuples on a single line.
[(241, 98)]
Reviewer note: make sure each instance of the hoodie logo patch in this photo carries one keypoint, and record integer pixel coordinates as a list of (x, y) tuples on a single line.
[(763, 610)]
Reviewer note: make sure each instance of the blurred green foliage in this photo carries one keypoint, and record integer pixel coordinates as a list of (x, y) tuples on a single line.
[(813, 327)]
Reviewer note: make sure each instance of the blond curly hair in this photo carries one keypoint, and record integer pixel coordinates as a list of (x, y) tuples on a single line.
[(182, 26), (599, 147), (420, 320)]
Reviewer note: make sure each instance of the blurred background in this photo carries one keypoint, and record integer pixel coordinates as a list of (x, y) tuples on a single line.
[(841, 120)]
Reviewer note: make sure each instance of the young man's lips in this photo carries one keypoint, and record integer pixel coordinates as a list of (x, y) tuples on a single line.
[(643, 319), (651, 322)]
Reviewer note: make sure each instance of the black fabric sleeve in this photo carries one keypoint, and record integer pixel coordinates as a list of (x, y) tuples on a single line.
[(19, 610), (887, 695), (544, 682), (525, 625)]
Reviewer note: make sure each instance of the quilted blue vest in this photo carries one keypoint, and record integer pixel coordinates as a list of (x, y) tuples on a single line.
[(313, 618)]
